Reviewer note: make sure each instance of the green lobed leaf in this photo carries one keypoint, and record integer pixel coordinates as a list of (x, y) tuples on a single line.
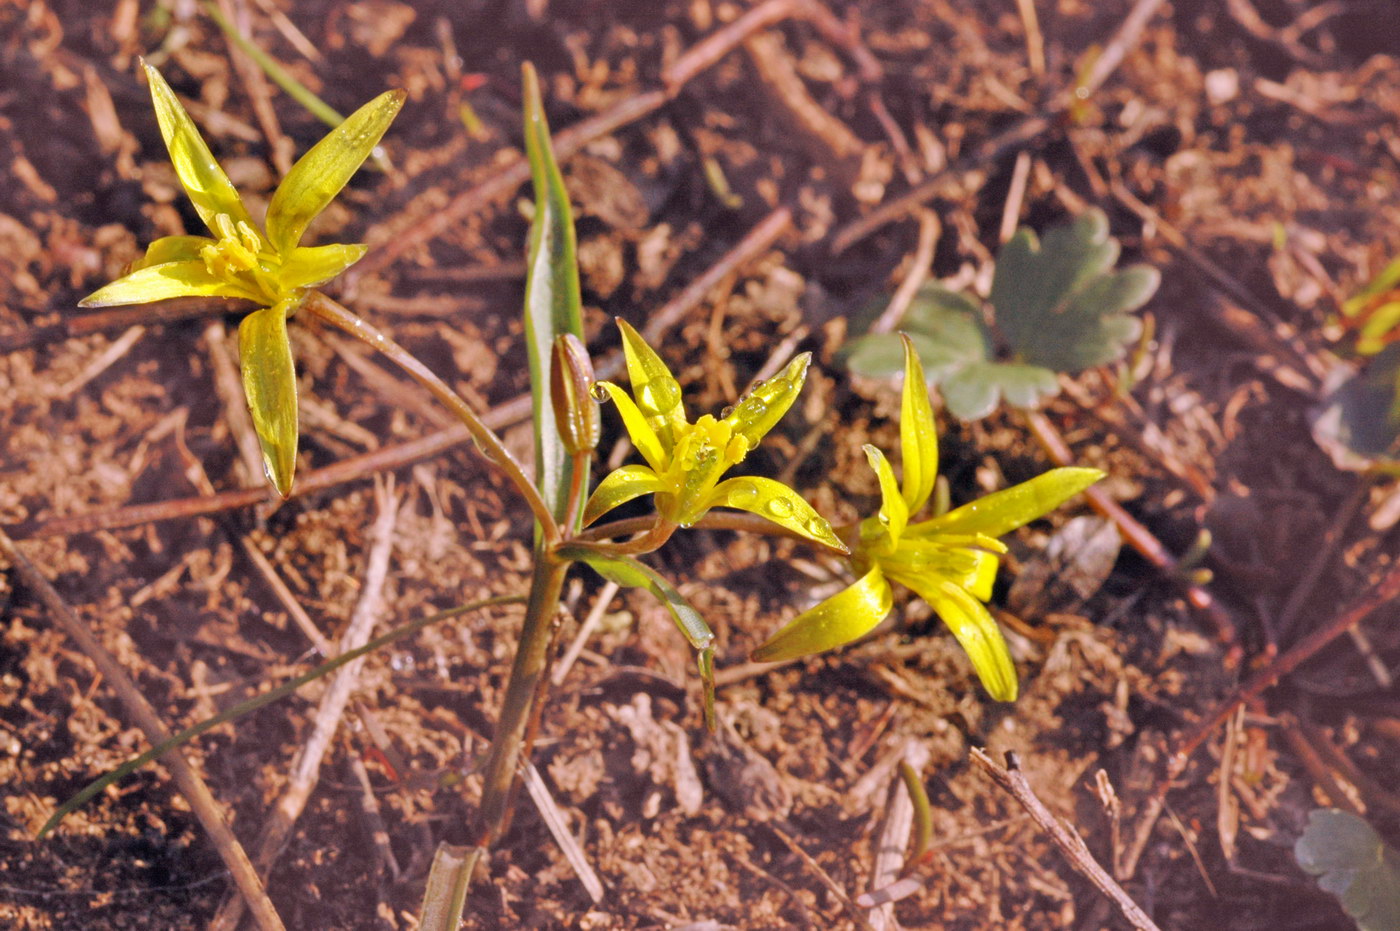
[(552, 297), (1059, 304), (1351, 861)]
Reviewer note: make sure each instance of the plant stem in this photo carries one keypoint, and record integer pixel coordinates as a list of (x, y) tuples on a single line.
[(526, 674), (332, 312)]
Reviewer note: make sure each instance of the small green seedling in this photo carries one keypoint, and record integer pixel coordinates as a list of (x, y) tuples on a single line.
[(1056, 306), (1351, 861), (267, 266), (949, 560)]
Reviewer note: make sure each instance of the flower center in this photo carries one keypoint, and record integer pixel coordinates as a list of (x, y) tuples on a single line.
[(240, 254)]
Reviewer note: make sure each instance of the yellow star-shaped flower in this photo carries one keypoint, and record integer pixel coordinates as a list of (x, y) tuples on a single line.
[(685, 460), (950, 560), (266, 265)]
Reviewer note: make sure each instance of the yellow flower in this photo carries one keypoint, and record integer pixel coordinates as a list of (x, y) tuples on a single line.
[(685, 460), (949, 561), (268, 266)]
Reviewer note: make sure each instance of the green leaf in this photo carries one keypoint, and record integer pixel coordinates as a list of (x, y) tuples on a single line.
[(1357, 424), (270, 383), (1059, 304), (1351, 861), (320, 174), (189, 278), (632, 573), (552, 298), (846, 616)]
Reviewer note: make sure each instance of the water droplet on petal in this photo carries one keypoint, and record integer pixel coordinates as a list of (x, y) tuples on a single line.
[(742, 494), (780, 507), (599, 392), (818, 527), (724, 414)]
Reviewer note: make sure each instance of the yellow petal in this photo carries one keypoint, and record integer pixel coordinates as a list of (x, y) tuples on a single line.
[(918, 436), (159, 282), (969, 567), (894, 513), (657, 392), (320, 174), (1005, 510), (776, 502), (204, 181), (309, 266), (846, 616), (173, 249), (269, 381), (643, 437), (976, 631), (763, 407), (620, 486)]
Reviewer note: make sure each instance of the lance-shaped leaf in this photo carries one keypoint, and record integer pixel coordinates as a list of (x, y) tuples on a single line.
[(209, 189), (631, 573), (270, 383), (552, 298), (320, 174), (846, 616)]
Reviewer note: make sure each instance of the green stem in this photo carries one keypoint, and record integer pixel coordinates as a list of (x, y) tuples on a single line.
[(654, 534), (526, 674), (332, 312)]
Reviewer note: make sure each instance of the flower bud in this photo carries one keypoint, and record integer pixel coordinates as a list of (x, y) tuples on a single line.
[(570, 392)]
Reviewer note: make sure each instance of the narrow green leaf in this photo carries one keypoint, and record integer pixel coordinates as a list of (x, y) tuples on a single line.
[(846, 616), (209, 189), (552, 298), (270, 383), (320, 174), (445, 894), (632, 573)]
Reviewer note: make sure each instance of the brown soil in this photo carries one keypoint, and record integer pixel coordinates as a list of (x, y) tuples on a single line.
[(1261, 138)]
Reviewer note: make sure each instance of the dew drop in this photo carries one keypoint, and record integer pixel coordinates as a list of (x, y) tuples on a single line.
[(725, 414), (780, 507), (818, 527), (599, 392), (742, 494)]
